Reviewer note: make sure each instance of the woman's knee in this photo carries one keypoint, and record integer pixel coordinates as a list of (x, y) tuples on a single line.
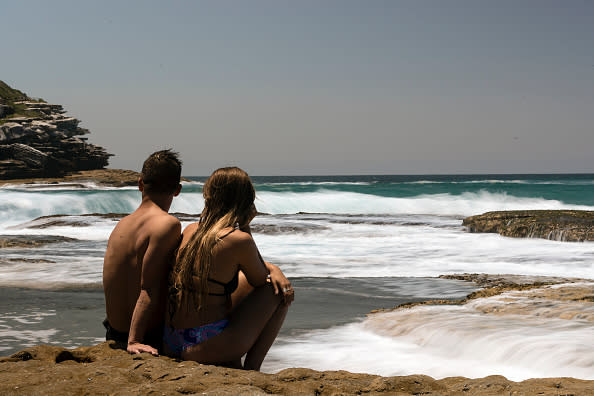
[(268, 291)]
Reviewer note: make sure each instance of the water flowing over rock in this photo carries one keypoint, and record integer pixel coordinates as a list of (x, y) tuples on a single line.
[(37, 139), (558, 225)]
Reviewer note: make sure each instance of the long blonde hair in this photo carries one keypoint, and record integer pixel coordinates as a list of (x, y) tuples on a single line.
[(228, 200)]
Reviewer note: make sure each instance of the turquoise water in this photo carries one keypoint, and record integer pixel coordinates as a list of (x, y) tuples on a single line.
[(569, 188), (348, 243)]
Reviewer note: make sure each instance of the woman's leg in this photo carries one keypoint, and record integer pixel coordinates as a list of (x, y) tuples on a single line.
[(258, 351), (254, 324)]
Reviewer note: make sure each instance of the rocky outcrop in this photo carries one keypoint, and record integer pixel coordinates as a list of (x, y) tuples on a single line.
[(106, 177), (37, 139), (19, 241), (559, 225), (106, 370)]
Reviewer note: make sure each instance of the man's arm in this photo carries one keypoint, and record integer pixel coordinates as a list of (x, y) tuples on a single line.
[(155, 267)]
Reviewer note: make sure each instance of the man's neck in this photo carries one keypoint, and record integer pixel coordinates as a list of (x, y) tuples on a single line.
[(163, 201)]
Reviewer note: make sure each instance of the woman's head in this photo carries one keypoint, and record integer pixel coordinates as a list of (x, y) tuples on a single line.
[(229, 191)]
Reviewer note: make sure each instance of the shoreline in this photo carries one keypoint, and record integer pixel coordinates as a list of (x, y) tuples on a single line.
[(107, 177), (105, 368)]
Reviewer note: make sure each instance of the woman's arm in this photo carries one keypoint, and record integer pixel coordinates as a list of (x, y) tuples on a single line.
[(248, 257), (280, 283), (252, 265)]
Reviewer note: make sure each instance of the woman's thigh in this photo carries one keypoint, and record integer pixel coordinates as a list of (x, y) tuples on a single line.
[(242, 291), (246, 322)]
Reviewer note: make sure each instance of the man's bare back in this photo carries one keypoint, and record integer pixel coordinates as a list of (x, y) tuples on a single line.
[(139, 256), (124, 259)]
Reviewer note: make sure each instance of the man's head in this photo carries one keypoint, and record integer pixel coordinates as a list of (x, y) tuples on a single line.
[(161, 173)]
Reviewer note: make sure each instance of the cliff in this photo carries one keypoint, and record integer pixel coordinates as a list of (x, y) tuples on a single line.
[(37, 139), (559, 225)]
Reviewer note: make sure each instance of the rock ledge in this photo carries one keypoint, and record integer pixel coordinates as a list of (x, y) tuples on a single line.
[(558, 225), (105, 369)]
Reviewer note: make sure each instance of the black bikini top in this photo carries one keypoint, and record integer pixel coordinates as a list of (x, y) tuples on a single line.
[(230, 286)]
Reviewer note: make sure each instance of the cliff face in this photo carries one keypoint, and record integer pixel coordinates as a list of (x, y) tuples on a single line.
[(559, 225), (37, 139)]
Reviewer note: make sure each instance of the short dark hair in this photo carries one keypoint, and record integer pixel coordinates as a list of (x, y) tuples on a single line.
[(161, 172)]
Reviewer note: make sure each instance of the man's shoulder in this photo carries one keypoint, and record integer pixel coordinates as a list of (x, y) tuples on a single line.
[(163, 220)]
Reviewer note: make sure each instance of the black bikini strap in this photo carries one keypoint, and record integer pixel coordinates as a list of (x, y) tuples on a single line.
[(216, 281), (228, 233)]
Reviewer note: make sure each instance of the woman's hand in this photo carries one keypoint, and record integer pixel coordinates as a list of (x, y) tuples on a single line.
[(280, 283)]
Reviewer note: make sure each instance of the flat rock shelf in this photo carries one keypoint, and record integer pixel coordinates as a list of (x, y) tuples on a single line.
[(559, 225)]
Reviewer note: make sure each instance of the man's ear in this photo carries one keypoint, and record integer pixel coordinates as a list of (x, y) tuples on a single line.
[(140, 184), (176, 193)]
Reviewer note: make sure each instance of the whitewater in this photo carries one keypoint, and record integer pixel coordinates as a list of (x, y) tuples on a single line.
[(350, 244)]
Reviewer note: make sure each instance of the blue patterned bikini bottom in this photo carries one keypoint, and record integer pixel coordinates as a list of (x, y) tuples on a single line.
[(178, 340)]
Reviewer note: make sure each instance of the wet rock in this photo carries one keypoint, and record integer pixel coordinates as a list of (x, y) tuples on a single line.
[(104, 369), (493, 285), (105, 177), (5, 110), (82, 220), (273, 229), (15, 241), (559, 225)]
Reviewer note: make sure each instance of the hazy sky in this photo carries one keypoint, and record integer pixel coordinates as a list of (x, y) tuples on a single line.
[(317, 87)]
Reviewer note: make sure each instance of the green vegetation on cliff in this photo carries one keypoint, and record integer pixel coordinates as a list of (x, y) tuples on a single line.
[(8, 94), (9, 109)]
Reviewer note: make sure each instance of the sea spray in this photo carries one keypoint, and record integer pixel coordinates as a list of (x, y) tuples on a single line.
[(474, 340), (350, 239)]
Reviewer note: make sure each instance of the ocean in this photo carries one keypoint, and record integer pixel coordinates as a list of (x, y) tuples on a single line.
[(349, 244)]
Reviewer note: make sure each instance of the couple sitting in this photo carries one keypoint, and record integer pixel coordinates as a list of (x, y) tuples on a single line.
[(204, 295)]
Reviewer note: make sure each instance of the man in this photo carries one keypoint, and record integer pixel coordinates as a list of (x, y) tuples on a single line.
[(138, 258)]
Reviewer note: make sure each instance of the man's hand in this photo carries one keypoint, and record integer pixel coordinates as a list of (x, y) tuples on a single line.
[(136, 347)]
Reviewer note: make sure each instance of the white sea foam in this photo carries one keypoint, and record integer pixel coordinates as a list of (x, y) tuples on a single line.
[(443, 341), (19, 206), (352, 250), (24, 336), (69, 186), (485, 181), (505, 181), (326, 245), (318, 183), (465, 204)]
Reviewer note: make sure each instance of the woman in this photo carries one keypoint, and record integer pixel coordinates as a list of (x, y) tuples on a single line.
[(224, 300)]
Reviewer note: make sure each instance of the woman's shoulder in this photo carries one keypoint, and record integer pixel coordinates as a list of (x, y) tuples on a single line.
[(235, 235), (190, 229)]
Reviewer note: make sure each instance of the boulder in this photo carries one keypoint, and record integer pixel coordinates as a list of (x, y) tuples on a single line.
[(5, 110), (559, 225)]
